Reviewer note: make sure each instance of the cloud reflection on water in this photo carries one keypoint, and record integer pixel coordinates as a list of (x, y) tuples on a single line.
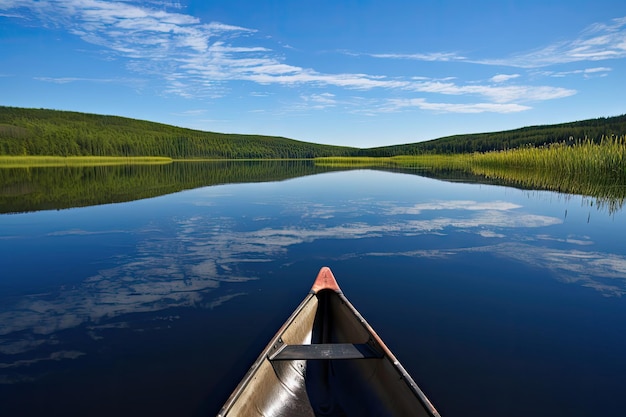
[(180, 266), (178, 272), (604, 272), (144, 285), (456, 205)]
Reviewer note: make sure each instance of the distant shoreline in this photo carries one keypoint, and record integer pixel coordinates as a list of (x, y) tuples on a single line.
[(28, 161)]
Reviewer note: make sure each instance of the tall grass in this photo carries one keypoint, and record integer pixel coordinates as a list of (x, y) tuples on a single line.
[(426, 161), (583, 156), (576, 167), (582, 167), (353, 161), (608, 156)]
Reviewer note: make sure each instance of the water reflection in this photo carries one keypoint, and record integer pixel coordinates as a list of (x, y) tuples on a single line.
[(203, 251), (47, 188), (131, 268)]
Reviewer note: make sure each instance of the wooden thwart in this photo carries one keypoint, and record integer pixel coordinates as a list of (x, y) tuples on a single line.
[(322, 351)]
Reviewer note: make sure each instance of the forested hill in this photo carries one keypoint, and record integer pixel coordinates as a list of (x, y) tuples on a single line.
[(63, 133), (592, 129), (53, 132)]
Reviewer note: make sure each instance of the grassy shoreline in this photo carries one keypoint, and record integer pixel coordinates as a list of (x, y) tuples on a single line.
[(596, 170), (27, 161), (608, 156), (59, 161)]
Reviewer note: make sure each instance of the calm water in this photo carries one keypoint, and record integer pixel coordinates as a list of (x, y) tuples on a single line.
[(499, 302)]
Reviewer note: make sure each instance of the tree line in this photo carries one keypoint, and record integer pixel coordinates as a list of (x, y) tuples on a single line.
[(592, 130), (62, 133)]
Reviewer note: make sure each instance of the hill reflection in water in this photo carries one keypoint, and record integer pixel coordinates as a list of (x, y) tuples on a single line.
[(54, 188)]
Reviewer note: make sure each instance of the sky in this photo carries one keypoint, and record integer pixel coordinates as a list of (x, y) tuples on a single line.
[(360, 73)]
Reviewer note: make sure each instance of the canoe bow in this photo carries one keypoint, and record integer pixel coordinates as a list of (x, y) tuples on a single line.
[(326, 360)]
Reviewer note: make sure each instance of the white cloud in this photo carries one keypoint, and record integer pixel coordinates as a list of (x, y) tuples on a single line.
[(192, 112), (398, 104), (587, 73), (597, 69), (500, 78), (319, 101), (490, 234), (134, 82), (434, 56), (499, 94)]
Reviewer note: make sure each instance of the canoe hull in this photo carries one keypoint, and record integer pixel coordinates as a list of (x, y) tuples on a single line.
[(326, 360)]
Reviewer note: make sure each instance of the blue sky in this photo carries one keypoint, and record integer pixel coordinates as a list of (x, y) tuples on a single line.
[(356, 73)]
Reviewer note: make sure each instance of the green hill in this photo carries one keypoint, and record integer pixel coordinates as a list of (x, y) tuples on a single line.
[(63, 133), (592, 129)]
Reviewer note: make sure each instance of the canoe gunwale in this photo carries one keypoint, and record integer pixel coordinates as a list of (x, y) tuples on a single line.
[(396, 363), (263, 356)]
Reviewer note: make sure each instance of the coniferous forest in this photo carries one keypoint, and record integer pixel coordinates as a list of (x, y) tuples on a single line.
[(63, 133), (532, 136)]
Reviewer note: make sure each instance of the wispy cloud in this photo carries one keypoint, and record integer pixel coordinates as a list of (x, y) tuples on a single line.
[(322, 100), (499, 98), (598, 42), (67, 80), (433, 56), (398, 104), (80, 232), (587, 73), (193, 58), (192, 112), (496, 93), (180, 48)]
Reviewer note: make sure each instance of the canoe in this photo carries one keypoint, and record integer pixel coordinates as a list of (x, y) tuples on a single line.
[(326, 360)]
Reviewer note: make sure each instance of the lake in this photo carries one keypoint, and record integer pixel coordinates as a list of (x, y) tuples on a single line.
[(498, 301)]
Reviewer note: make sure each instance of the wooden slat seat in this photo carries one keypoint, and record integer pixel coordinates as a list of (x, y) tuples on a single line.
[(322, 351)]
